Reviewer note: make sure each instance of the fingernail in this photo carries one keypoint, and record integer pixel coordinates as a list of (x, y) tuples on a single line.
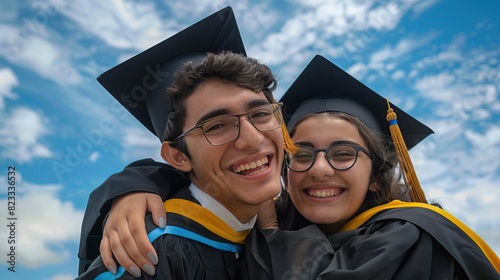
[(135, 272), (152, 258), (112, 269), (162, 222), (149, 269)]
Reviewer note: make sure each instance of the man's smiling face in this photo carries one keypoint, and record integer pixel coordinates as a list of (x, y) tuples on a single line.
[(240, 174)]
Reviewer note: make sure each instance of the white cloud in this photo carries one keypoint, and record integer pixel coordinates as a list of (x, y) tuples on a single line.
[(20, 134), (488, 141), (475, 203), (472, 198), (294, 37), (45, 224), (121, 24), (94, 156), (63, 277), (399, 74), (8, 80), (403, 47), (255, 19), (385, 16), (198, 8), (35, 52), (446, 56), (358, 70), (140, 143), (438, 87), (422, 6), (319, 22)]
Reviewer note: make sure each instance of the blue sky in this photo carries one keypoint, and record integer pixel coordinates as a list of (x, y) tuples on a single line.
[(437, 59)]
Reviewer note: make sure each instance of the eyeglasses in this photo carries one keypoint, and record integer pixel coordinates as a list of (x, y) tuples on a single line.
[(224, 129), (340, 157)]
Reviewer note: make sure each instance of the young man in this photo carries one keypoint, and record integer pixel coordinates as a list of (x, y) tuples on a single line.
[(220, 126)]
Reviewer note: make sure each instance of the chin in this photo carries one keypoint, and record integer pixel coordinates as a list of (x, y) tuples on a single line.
[(256, 198), (319, 217)]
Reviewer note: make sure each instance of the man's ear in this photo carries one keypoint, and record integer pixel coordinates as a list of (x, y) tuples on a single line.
[(175, 157)]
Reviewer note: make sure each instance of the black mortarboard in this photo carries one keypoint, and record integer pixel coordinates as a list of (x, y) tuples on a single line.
[(140, 83), (323, 87)]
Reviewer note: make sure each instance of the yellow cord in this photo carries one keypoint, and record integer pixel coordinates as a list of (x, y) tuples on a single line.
[(417, 194)]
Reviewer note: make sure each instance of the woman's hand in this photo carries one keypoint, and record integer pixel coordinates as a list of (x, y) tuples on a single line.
[(125, 236)]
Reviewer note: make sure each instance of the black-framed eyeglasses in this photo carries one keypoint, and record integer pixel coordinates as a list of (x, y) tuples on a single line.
[(340, 157), (224, 129)]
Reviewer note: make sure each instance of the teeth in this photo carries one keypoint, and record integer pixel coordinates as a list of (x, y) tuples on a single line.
[(251, 165), (323, 193)]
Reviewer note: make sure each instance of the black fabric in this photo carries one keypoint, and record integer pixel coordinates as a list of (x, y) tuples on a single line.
[(181, 258), (389, 243), (144, 175), (139, 83), (407, 243), (324, 87)]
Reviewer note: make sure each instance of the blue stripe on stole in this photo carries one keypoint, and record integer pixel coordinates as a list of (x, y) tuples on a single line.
[(173, 230)]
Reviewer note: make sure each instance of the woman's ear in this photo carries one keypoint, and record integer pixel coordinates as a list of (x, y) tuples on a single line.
[(175, 157), (375, 184)]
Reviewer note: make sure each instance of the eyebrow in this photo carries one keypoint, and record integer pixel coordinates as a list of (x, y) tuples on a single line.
[(334, 143), (224, 111)]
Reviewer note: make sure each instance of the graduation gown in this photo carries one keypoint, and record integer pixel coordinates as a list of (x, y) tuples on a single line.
[(144, 175), (398, 240), (196, 244)]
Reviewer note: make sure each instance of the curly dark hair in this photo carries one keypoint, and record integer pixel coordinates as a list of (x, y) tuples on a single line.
[(229, 67)]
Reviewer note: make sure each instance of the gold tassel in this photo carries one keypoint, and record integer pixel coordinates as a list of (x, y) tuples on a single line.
[(287, 140), (417, 194), (288, 144)]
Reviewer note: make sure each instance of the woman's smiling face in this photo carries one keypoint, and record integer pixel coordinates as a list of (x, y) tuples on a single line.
[(321, 194)]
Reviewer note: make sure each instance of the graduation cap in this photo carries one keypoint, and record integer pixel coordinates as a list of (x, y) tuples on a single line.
[(140, 83), (324, 87)]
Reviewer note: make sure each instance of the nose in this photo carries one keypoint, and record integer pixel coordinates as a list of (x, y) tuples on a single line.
[(321, 167), (249, 136)]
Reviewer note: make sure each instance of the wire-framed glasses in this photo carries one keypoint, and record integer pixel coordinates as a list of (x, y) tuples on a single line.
[(340, 157), (224, 129)]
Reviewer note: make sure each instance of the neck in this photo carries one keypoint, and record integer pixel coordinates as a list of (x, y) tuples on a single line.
[(238, 215), (330, 228), (243, 212)]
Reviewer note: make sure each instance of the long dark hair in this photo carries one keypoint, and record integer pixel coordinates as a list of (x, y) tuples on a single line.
[(384, 169)]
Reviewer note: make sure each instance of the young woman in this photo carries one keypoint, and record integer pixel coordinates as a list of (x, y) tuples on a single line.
[(346, 212)]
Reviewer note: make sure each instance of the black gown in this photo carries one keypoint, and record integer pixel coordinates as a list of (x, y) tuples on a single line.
[(196, 244), (144, 175), (398, 240), (391, 244)]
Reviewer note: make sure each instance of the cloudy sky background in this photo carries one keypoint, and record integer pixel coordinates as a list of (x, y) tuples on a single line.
[(437, 59)]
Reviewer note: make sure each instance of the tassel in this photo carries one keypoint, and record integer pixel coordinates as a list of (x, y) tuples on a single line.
[(417, 194), (287, 140), (288, 144)]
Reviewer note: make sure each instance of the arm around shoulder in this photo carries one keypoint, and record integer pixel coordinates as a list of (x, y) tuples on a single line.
[(144, 175)]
